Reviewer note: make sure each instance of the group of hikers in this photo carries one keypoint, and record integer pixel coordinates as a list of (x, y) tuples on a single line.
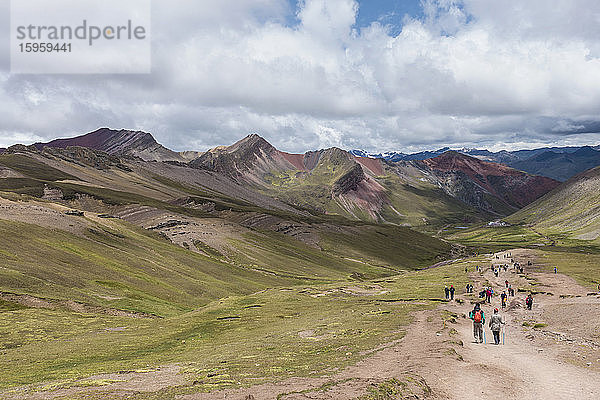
[(477, 315), (449, 292)]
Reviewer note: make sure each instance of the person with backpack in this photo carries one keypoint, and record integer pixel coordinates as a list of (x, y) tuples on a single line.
[(478, 317), (452, 290), (447, 292), (506, 283), (529, 301), (496, 323), (503, 297), (488, 295)]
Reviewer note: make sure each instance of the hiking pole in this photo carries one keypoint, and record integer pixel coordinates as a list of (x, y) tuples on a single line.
[(484, 341), (503, 337)]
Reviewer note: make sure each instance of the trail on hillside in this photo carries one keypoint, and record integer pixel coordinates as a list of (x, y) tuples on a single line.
[(438, 359), (445, 363)]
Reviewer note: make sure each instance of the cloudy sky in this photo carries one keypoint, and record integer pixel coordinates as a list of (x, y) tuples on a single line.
[(375, 74)]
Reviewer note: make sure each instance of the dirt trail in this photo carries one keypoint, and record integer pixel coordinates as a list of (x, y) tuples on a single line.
[(447, 364), (525, 367), (441, 360)]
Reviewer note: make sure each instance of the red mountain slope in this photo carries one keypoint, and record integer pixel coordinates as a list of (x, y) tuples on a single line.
[(516, 188)]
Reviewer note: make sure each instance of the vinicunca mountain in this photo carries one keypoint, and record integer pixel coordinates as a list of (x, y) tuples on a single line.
[(449, 188)]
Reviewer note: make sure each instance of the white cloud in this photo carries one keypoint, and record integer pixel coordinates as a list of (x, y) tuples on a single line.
[(470, 73)]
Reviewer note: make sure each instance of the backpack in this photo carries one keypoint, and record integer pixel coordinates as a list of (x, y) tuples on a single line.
[(477, 316)]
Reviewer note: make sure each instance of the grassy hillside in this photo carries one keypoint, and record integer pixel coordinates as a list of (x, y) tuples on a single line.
[(570, 211), (127, 268), (239, 340)]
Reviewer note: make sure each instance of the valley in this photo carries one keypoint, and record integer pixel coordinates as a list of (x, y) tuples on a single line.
[(129, 270)]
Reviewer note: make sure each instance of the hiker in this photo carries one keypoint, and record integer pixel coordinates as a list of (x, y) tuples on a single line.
[(478, 318), (503, 296), (505, 267), (529, 301), (488, 295), (447, 292), (495, 325), (511, 291), (452, 292), (466, 270), (506, 283), (555, 270), (496, 272)]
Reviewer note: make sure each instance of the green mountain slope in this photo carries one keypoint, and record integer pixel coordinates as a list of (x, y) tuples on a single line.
[(571, 210)]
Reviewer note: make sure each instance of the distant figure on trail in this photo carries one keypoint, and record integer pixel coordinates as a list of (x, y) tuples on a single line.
[(503, 296), (452, 292), (496, 272), (478, 318), (529, 301), (496, 325), (488, 295), (528, 262), (466, 270), (447, 292), (505, 267), (555, 270), (506, 283), (511, 291)]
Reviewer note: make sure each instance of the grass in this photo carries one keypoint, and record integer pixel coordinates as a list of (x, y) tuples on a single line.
[(388, 245), (139, 271), (581, 265), (570, 211), (32, 168), (498, 238), (262, 342)]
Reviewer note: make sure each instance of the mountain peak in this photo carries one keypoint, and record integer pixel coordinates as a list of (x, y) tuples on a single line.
[(251, 142), (118, 142), (586, 151)]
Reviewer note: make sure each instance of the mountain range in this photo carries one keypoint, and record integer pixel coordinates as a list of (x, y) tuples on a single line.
[(559, 163), (119, 254), (452, 188)]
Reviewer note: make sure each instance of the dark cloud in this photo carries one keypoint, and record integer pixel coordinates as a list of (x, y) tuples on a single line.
[(473, 73)]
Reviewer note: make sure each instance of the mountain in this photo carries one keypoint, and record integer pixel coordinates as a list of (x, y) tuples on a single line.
[(558, 163), (232, 185), (122, 143), (388, 156), (485, 185), (571, 210), (560, 166), (447, 188)]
